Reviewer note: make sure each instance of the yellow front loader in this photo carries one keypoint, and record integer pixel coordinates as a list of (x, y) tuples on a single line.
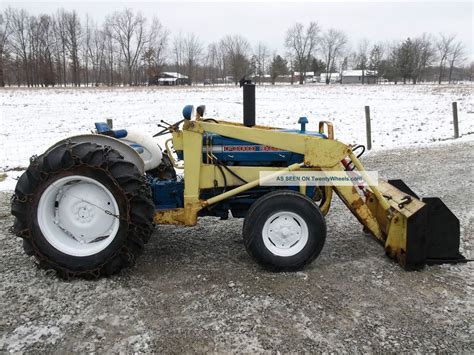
[(414, 232)]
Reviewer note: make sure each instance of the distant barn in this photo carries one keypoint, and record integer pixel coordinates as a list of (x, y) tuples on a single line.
[(169, 79)]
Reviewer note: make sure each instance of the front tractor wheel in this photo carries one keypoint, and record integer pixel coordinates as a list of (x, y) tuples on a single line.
[(284, 231), (83, 210)]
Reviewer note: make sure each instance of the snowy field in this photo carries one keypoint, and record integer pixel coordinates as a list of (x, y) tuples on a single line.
[(402, 115)]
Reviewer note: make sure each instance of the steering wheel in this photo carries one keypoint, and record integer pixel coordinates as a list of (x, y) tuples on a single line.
[(171, 127)]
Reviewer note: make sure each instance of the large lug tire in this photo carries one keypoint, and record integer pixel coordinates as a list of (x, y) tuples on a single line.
[(83, 210), (284, 231)]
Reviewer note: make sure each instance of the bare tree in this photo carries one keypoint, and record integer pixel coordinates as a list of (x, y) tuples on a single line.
[(352, 60), (87, 46), (96, 51), (236, 49), (362, 57), (128, 29), (157, 44), (192, 51), (423, 54), (332, 46), (73, 38), (178, 51), (261, 56), (186, 51), (34, 34), (444, 47), (302, 43), (110, 54), (45, 53), (4, 33), (19, 23), (60, 36), (212, 62), (222, 62), (455, 55)]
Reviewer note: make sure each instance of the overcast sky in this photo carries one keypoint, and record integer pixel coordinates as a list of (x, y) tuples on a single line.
[(267, 21)]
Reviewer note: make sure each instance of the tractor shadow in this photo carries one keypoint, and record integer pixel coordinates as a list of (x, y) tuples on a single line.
[(216, 245)]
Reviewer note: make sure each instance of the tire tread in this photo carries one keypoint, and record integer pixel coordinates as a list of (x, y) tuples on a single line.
[(126, 175)]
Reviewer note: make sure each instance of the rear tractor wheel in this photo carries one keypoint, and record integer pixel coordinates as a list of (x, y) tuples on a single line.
[(83, 210)]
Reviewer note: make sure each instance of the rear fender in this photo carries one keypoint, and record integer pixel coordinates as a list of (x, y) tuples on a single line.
[(150, 151), (128, 153)]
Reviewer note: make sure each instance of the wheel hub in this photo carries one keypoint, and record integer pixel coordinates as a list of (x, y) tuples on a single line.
[(285, 233), (78, 215), (81, 211), (84, 212)]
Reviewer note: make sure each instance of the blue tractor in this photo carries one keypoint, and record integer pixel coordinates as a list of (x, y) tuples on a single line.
[(87, 206)]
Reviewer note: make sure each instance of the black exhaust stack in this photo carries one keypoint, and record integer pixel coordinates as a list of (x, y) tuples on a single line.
[(249, 102)]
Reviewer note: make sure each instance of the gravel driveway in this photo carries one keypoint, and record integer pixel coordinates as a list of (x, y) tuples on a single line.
[(196, 290)]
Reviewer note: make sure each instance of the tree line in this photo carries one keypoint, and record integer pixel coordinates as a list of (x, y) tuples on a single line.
[(63, 49)]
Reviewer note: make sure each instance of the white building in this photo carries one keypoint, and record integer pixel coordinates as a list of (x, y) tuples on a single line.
[(172, 78)]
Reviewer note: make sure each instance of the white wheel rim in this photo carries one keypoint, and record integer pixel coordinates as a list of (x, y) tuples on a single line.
[(78, 216), (285, 233)]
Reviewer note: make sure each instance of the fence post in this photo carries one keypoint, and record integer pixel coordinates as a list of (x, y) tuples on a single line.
[(110, 123), (455, 119), (367, 128)]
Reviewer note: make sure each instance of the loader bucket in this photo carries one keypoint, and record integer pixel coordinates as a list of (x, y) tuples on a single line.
[(443, 233), (422, 231)]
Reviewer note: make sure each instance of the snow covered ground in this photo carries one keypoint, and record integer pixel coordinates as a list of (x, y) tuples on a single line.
[(33, 119)]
